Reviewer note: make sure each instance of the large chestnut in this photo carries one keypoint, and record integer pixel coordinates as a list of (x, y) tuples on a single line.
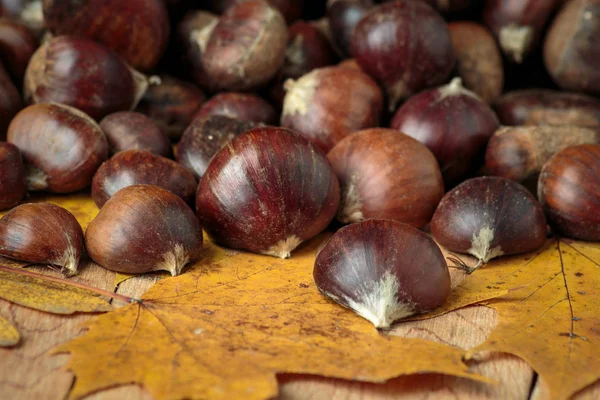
[(454, 123), (569, 190), (205, 137), (267, 191), (406, 46), (488, 217), (243, 106), (144, 228), (246, 47), (384, 173), (383, 270), (343, 17), (12, 176), (61, 146), (10, 101), (330, 103), (42, 233), (17, 45), (81, 73)]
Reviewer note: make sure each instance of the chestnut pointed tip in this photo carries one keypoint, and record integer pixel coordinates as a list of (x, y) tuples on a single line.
[(174, 261), (36, 179), (351, 208), (283, 249), (69, 260), (481, 246), (515, 41)]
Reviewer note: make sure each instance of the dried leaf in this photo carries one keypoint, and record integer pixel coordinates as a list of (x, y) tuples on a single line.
[(9, 336), (120, 278)]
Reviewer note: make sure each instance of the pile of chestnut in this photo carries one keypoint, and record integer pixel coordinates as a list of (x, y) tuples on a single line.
[(477, 121)]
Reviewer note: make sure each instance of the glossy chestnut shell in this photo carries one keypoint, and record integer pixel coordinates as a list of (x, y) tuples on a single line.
[(243, 106), (343, 16), (10, 102), (12, 176), (17, 45)]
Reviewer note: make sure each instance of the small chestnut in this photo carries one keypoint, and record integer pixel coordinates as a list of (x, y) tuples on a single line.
[(343, 17), (42, 233), (569, 190), (243, 106), (384, 173), (267, 191), (133, 167), (383, 270), (488, 217), (61, 146), (290, 9), (10, 101), (127, 130), (17, 45), (12, 176)]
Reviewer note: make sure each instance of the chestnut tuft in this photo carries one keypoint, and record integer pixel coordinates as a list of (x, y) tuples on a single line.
[(405, 45), (386, 174), (266, 192), (569, 190), (61, 146), (383, 270), (330, 103), (134, 167), (243, 106), (12, 176), (42, 233), (488, 217), (17, 45), (144, 228)]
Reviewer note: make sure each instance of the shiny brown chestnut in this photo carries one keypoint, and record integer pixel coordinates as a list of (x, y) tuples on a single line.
[(144, 228), (17, 45), (569, 190), (83, 74), (571, 51), (205, 137), (42, 233), (405, 45), (290, 9), (134, 167), (10, 101), (61, 146), (247, 46), (128, 130), (12, 176), (453, 122), (138, 30), (330, 103), (383, 270), (266, 192), (343, 17), (386, 174), (489, 217), (243, 106)]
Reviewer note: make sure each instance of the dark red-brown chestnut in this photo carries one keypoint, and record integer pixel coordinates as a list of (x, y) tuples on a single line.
[(205, 137), (453, 122), (128, 130), (343, 16), (247, 46), (83, 74), (133, 167), (17, 45), (330, 103), (489, 217), (405, 45), (42, 233), (12, 176), (569, 190), (62, 147), (266, 192), (386, 174), (242, 106), (10, 101), (290, 9), (144, 228), (383, 270)]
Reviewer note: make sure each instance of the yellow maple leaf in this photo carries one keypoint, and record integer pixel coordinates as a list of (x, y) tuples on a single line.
[(9, 336)]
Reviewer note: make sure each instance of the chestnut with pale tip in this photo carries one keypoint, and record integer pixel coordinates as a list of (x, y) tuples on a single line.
[(144, 228), (383, 270), (42, 233), (489, 217), (12, 176), (267, 191)]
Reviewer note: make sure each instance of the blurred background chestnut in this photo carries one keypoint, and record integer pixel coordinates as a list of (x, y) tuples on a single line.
[(127, 130), (12, 176)]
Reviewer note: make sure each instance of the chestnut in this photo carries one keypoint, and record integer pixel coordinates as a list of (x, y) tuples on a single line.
[(10, 101), (127, 130), (290, 9), (488, 217), (548, 107), (205, 137), (81, 73), (405, 45), (42, 233), (247, 46), (330, 103), (144, 228), (386, 174), (133, 167), (61, 146), (27, 12), (267, 191), (454, 123), (17, 45), (138, 30), (571, 51), (382, 270), (243, 106), (343, 17), (12, 176), (478, 60), (569, 190)]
